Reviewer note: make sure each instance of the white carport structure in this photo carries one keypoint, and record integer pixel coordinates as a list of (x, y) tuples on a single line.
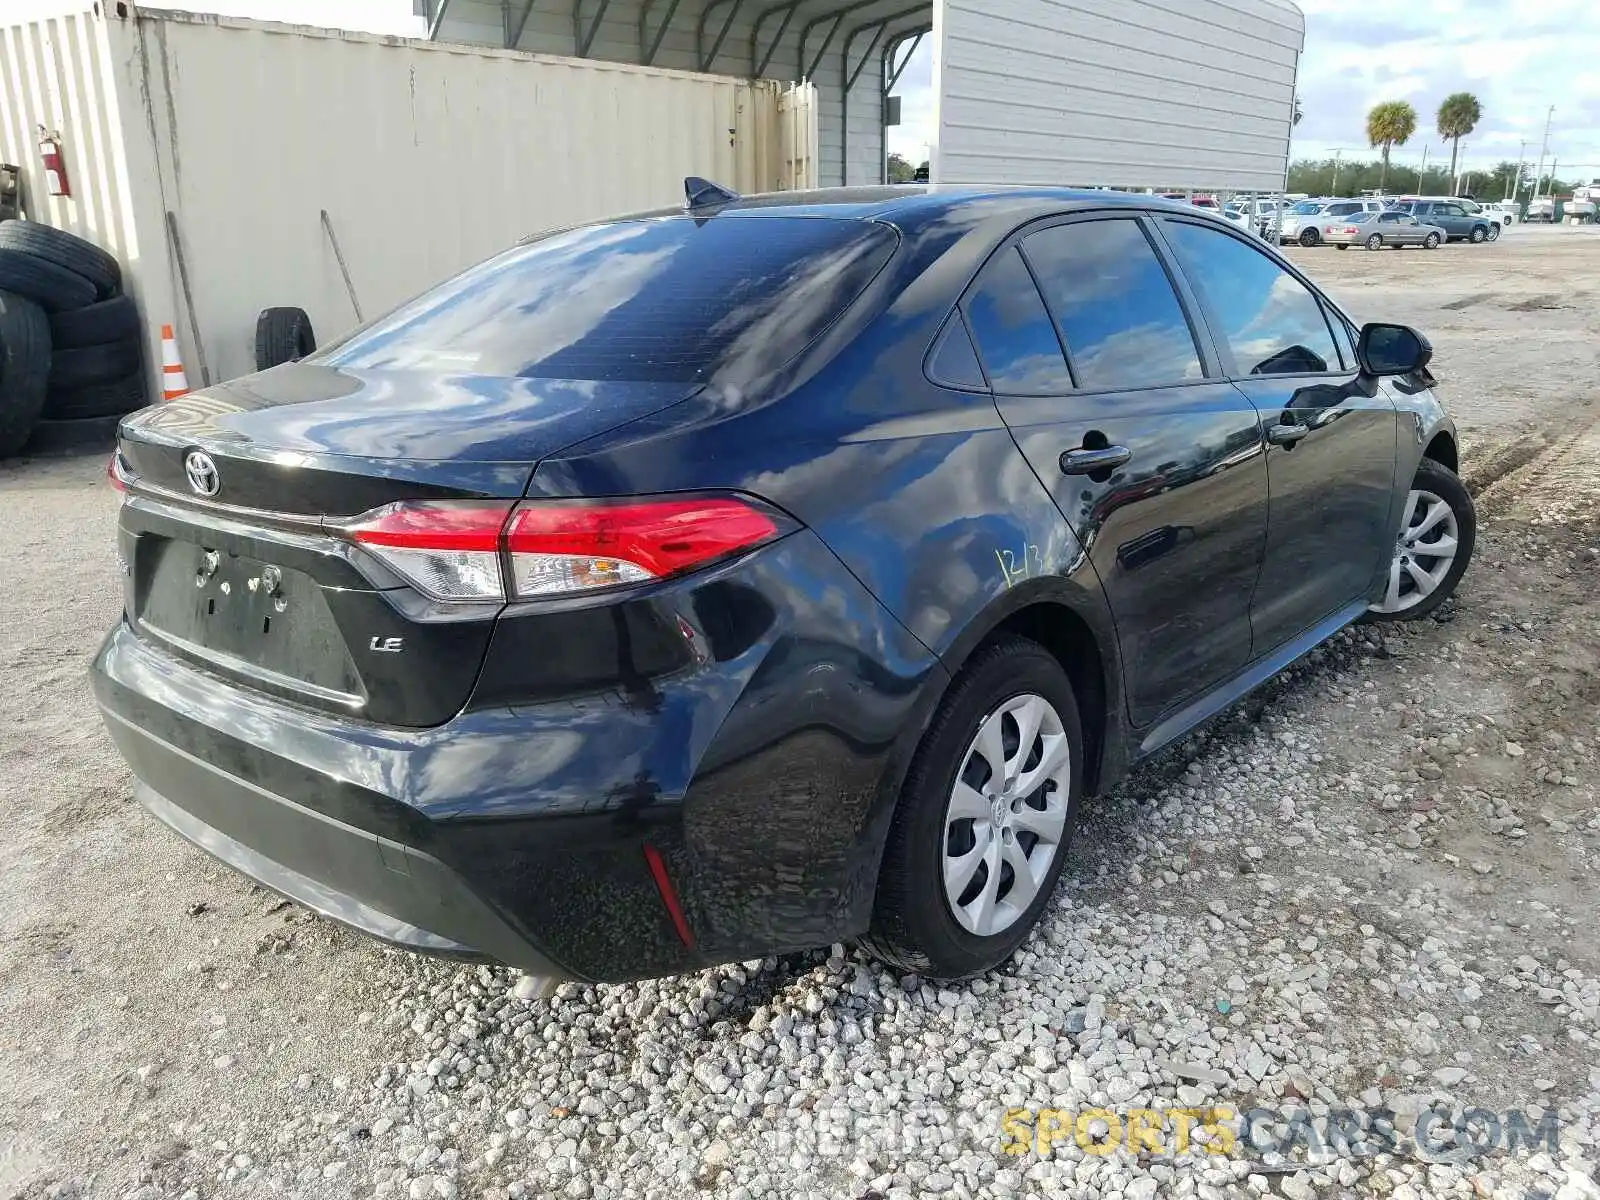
[(1169, 94)]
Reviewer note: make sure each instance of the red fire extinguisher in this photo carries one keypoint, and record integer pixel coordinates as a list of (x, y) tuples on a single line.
[(55, 165)]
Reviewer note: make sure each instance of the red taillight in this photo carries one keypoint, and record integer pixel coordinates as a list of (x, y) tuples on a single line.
[(472, 550), (557, 548)]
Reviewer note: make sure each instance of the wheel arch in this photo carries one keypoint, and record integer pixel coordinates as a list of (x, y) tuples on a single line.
[(1074, 625), (1442, 449)]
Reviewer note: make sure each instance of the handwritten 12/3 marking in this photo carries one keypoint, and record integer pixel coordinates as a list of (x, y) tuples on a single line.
[(1014, 571)]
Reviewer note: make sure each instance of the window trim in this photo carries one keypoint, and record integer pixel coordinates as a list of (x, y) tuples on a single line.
[(957, 316), (1010, 243), (1218, 330), (1211, 364), (1197, 336)]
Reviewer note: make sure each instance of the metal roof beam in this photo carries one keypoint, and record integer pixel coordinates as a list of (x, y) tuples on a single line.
[(647, 54), (438, 19), (583, 38), (835, 22), (914, 36), (516, 37), (707, 58), (788, 10), (879, 26)]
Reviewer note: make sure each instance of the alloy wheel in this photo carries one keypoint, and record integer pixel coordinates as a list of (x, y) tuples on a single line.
[(1006, 819), (1375, 242), (1423, 553)]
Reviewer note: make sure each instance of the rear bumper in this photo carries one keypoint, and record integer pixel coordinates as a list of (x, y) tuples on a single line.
[(378, 886), (759, 779)]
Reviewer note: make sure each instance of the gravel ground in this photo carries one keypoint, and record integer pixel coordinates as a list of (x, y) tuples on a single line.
[(1370, 887)]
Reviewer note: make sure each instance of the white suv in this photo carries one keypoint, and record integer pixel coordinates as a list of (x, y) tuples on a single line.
[(1304, 222)]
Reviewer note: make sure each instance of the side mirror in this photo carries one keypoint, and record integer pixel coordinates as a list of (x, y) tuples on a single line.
[(1392, 350)]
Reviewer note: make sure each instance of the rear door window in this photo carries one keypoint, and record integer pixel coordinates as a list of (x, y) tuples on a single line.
[(1272, 322), (667, 300), (1110, 294), (1016, 340)]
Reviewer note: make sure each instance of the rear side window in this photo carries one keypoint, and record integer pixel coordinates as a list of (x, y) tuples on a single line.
[(1016, 340), (667, 300), (954, 363), (1343, 210), (1273, 323), (1121, 320)]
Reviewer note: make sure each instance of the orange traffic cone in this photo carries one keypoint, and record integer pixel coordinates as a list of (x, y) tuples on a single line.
[(174, 382)]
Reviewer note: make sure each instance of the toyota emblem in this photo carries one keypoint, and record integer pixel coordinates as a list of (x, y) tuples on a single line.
[(202, 473)]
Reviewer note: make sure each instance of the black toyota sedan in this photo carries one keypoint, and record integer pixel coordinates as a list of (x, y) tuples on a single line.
[(758, 574)]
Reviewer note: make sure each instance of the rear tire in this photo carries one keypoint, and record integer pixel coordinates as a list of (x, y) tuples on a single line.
[(1375, 242), (1344, 245), (1434, 484), (24, 368), (914, 922), (283, 335), (64, 249)]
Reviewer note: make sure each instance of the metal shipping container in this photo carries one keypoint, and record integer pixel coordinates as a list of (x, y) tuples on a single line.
[(223, 160)]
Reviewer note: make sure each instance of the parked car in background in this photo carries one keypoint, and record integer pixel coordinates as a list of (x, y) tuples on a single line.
[(1239, 219), (1507, 212), (759, 574), (1304, 221), (1380, 230), (1260, 213), (1452, 217)]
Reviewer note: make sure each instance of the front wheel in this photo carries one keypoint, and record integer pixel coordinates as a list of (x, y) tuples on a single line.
[(1431, 242), (1308, 238), (1493, 232), (1479, 234), (1433, 547), (984, 819), (1375, 242)]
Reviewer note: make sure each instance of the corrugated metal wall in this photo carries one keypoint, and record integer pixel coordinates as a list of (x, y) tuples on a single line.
[(426, 157), (52, 73), (550, 28), (1129, 93)]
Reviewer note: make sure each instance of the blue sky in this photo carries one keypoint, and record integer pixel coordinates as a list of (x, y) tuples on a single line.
[(1359, 52)]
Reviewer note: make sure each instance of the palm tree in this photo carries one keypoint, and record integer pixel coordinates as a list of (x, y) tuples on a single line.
[(1390, 124), (1458, 116)]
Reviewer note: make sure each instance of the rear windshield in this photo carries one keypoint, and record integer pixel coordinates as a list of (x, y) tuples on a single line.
[(664, 300)]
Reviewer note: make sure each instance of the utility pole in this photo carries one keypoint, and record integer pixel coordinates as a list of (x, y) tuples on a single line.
[(1514, 184), (1544, 148), (1337, 151), (1424, 169)]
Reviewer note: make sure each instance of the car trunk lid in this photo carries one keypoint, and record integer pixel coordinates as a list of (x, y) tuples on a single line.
[(228, 539)]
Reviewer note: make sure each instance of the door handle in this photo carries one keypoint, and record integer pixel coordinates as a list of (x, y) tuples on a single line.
[(1087, 462), (1287, 435)]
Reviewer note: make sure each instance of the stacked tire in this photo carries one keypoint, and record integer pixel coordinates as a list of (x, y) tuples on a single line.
[(71, 344)]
